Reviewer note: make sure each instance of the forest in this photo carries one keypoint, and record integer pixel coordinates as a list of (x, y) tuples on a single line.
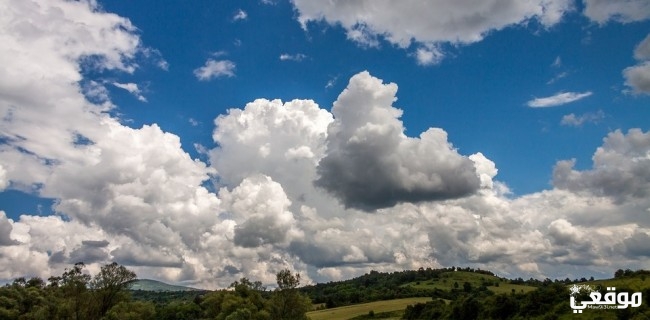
[(77, 295), (452, 293)]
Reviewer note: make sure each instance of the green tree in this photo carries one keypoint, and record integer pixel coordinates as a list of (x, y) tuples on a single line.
[(136, 310), (109, 286), (287, 303), (74, 291)]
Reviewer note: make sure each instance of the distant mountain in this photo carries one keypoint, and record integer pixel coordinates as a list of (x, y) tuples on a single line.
[(153, 285)]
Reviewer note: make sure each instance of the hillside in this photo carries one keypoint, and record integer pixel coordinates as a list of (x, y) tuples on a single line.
[(158, 286)]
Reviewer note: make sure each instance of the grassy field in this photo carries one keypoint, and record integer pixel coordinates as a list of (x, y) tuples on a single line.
[(347, 312), (635, 283), (448, 279)]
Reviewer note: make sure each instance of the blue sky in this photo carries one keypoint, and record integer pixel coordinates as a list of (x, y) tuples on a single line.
[(174, 141), (478, 93)]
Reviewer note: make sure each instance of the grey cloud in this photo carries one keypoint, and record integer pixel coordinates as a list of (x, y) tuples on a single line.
[(258, 231), (336, 254), (602, 11), (638, 77), (57, 257), (578, 120), (5, 231), (95, 243), (88, 254), (638, 245), (621, 168), (145, 256), (370, 163)]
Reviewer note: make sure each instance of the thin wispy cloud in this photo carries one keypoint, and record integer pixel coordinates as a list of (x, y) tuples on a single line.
[(558, 99), (293, 57), (215, 69), (557, 62), (131, 88), (573, 120)]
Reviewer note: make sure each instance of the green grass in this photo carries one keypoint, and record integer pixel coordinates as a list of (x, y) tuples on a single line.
[(635, 283), (348, 312), (446, 282)]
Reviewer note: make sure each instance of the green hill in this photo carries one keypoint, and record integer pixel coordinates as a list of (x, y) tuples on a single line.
[(451, 280), (157, 286)]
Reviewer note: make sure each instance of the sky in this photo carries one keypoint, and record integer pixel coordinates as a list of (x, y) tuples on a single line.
[(200, 143)]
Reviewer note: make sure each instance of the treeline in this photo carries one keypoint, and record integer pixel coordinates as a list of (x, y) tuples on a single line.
[(549, 301), (77, 295), (73, 295), (376, 286)]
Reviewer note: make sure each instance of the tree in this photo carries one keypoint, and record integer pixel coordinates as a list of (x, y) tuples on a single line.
[(109, 286), (287, 302), (74, 287)]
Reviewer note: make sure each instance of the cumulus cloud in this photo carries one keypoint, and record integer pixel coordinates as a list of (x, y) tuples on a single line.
[(425, 22), (370, 163), (131, 88), (557, 99), (261, 209), (638, 77), (578, 120), (602, 11), (5, 231), (215, 69), (284, 141), (134, 196), (621, 168)]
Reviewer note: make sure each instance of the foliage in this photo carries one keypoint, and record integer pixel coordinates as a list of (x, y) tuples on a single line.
[(73, 295), (431, 293)]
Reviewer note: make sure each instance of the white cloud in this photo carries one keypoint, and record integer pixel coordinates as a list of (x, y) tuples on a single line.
[(133, 195), (638, 77), (215, 69), (428, 55), (557, 62), (588, 117), (4, 182), (371, 164), (426, 22), (557, 99), (625, 11), (621, 168), (132, 88), (240, 15), (642, 50), (293, 57)]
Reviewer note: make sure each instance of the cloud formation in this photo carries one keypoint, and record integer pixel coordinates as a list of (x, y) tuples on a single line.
[(558, 99), (426, 23), (131, 88), (621, 168), (240, 15), (578, 120), (134, 196), (638, 77), (370, 163), (292, 57), (602, 11), (215, 69)]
